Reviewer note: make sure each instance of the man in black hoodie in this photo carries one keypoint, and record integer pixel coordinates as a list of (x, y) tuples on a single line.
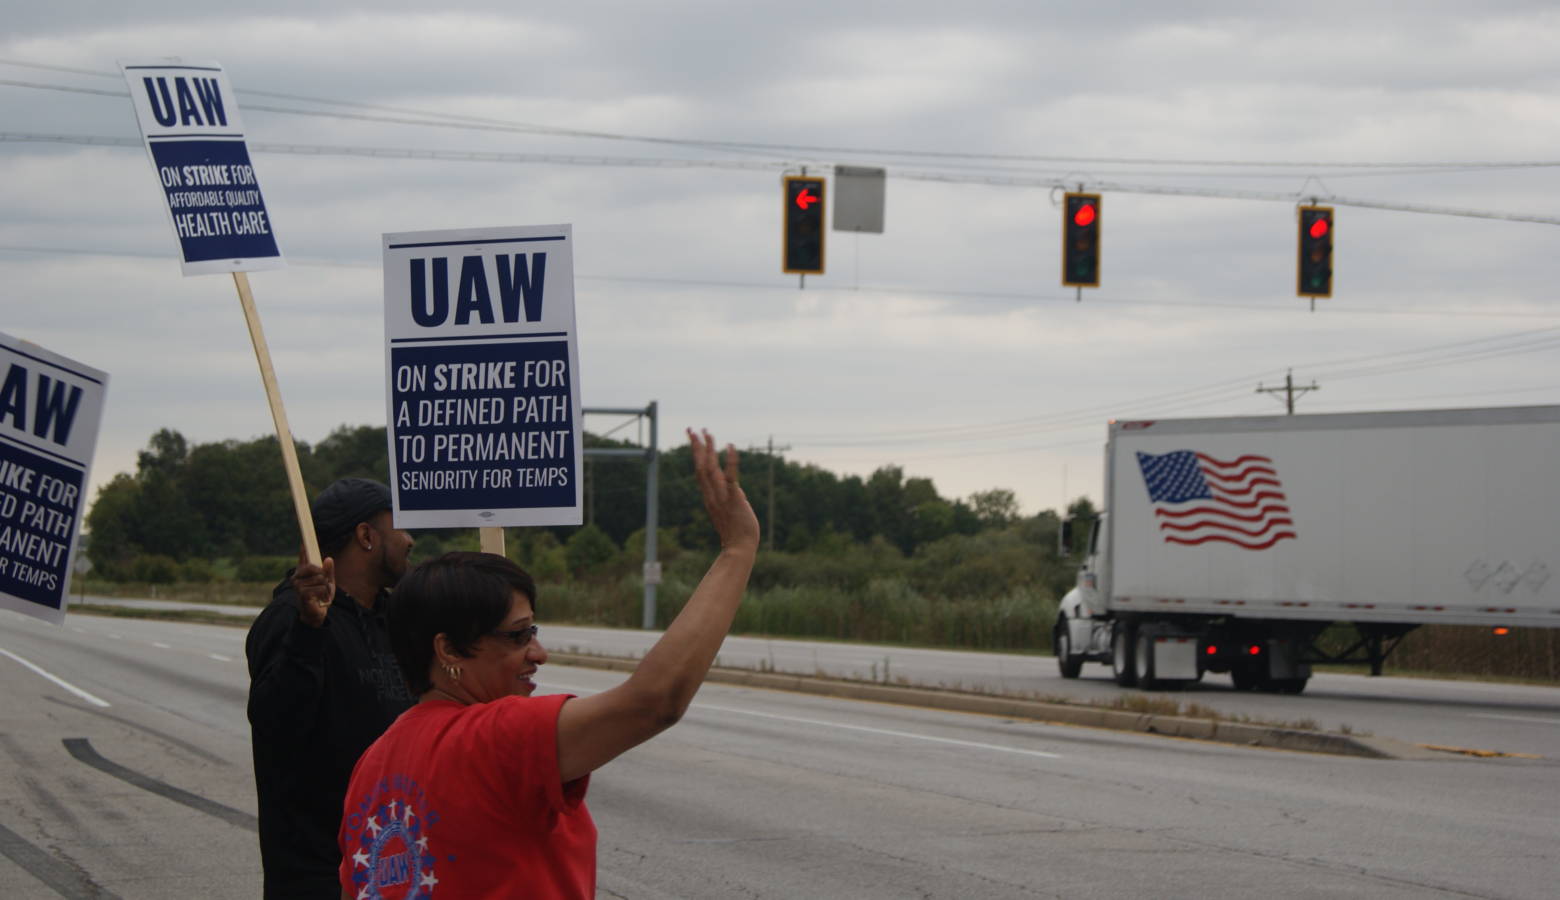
[(323, 684)]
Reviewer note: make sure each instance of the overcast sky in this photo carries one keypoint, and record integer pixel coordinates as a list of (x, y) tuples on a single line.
[(945, 345)]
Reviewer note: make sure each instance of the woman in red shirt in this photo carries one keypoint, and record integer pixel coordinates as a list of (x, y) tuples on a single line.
[(478, 790)]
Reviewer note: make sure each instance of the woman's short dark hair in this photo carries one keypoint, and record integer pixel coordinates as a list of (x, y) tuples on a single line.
[(462, 595)]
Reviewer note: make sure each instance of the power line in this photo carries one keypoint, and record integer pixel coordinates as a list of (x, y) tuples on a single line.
[(1472, 356), (1173, 401), (1378, 356), (1015, 427)]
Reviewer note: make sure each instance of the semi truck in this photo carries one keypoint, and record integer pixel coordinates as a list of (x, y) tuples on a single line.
[(1231, 545)]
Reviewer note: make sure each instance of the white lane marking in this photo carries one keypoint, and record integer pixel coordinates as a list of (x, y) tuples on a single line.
[(884, 731), (863, 728), (219, 657), (59, 681), (1516, 718), (161, 646), (117, 637)]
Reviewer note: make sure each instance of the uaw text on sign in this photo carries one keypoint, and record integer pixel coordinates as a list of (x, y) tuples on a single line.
[(50, 409)]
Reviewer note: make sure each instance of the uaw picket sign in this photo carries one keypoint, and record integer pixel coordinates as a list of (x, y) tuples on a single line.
[(189, 118), (482, 377), (50, 408)]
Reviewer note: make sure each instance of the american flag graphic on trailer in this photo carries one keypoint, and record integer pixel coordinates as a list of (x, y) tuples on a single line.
[(1199, 499)]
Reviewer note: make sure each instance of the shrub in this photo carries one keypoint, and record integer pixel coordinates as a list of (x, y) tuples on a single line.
[(199, 571), (263, 568), (154, 569), (589, 550), (666, 547)]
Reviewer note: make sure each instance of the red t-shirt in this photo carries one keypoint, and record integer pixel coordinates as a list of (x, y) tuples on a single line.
[(466, 802)]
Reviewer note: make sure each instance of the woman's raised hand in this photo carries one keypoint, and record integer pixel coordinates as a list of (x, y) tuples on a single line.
[(724, 500)]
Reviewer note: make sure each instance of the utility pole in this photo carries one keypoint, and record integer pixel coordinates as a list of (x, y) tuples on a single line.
[(1289, 390), (769, 537)]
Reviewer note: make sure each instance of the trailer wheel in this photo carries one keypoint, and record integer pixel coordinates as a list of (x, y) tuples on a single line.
[(1061, 642), (1122, 665), (1145, 663)]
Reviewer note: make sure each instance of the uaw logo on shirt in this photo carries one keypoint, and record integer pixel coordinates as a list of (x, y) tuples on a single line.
[(392, 861)]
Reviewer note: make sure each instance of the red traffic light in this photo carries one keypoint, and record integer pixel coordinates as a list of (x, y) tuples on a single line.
[(802, 222), (1314, 275), (1081, 222)]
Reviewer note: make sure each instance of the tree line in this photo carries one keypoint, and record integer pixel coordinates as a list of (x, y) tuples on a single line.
[(229, 500), (880, 558)]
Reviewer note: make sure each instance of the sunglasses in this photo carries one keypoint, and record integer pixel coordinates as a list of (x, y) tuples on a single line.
[(519, 637)]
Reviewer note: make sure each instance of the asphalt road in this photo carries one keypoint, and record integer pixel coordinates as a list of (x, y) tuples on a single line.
[(766, 794), (1500, 717), (1505, 718)]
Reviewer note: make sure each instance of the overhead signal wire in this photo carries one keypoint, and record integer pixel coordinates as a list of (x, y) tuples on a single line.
[(487, 123), (781, 165)]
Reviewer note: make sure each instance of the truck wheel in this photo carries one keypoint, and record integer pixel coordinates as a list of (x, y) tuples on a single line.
[(1061, 642), (1145, 663), (1122, 665)]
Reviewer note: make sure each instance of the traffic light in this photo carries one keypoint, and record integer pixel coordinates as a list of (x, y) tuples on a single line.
[(803, 219), (1315, 262), (1081, 240)]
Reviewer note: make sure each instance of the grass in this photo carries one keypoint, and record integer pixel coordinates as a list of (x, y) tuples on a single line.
[(227, 593), (199, 616)]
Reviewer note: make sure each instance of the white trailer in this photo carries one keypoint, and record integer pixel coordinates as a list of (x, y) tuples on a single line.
[(1229, 545)]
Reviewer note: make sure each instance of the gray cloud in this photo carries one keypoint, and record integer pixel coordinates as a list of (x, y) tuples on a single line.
[(953, 317)]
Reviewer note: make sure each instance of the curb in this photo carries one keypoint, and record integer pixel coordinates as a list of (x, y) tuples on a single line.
[(1090, 716)]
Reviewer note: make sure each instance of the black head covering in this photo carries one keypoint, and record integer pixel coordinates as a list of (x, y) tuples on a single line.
[(339, 508)]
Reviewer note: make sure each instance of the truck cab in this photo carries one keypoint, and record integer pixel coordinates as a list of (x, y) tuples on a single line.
[(1082, 625), (1149, 650)]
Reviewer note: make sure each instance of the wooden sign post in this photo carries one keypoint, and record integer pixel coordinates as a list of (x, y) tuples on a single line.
[(273, 396)]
